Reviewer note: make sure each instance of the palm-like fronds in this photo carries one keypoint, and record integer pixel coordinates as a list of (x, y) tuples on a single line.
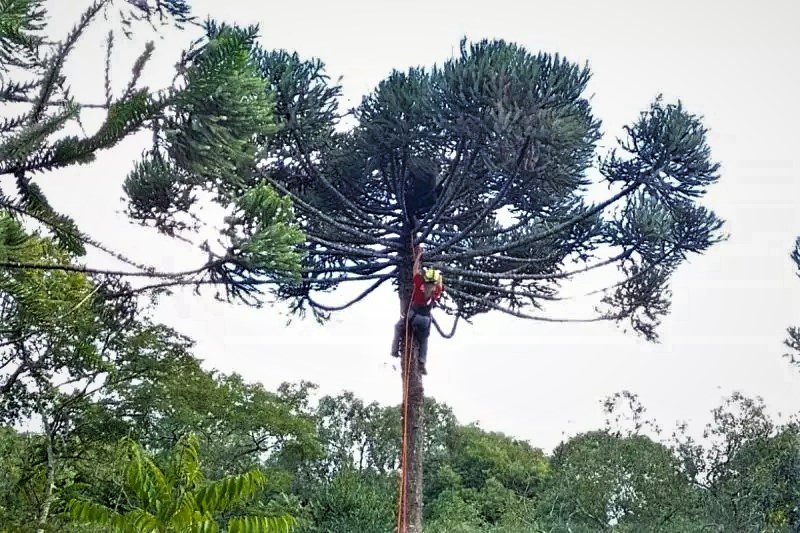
[(178, 499), (228, 492), (261, 524)]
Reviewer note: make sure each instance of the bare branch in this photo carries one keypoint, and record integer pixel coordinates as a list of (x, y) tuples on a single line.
[(357, 299), (348, 229), (520, 314), (84, 238), (490, 206), (361, 252), (547, 234), (88, 270), (445, 199), (542, 277)]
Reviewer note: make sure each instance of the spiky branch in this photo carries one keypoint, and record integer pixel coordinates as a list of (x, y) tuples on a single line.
[(206, 130)]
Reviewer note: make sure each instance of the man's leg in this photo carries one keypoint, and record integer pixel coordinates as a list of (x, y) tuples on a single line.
[(422, 329)]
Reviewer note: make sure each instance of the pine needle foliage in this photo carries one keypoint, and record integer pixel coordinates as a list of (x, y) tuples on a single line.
[(20, 24), (208, 130)]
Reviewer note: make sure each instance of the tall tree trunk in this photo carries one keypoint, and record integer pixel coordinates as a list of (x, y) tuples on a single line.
[(412, 419), (415, 433)]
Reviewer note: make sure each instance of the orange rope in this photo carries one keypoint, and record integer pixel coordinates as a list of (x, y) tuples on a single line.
[(402, 526)]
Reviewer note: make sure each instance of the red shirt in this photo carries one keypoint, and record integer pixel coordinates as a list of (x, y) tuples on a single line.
[(418, 294)]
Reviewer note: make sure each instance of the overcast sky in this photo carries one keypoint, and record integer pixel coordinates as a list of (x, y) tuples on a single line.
[(734, 62)]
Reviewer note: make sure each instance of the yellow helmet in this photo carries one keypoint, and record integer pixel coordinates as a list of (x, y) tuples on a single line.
[(430, 275)]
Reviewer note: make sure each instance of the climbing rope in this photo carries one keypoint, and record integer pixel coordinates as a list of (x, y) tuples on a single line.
[(442, 333), (402, 526), (402, 495)]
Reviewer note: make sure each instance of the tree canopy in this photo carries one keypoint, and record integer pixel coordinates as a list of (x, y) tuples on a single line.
[(508, 141)]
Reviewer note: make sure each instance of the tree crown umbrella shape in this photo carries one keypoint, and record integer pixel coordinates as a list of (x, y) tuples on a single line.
[(487, 161)]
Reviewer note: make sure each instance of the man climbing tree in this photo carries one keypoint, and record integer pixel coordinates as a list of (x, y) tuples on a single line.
[(428, 288), (512, 141)]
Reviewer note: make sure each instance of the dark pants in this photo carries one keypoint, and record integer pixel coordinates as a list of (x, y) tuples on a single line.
[(421, 326)]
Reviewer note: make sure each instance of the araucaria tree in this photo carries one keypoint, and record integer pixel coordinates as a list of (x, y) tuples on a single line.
[(205, 127), (486, 161)]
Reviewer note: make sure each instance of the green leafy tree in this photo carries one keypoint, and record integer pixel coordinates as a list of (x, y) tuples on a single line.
[(357, 436), (50, 320), (485, 161), (178, 498), (482, 478), (60, 344), (748, 469), (16, 504), (602, 481), (69, 333), (352, 500), (240, 425), (87, 370), (477, 455)]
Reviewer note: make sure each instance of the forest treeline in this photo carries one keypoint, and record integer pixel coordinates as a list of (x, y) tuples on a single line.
[(104, 379)]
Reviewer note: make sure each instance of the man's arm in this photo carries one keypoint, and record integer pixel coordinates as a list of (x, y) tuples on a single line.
[(439, 290), (417, 259)]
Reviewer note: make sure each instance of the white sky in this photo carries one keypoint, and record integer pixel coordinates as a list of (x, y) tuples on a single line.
[(732, 61)]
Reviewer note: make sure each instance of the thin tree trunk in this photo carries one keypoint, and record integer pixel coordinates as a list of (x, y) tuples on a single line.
[(415, 433), (413, 421)]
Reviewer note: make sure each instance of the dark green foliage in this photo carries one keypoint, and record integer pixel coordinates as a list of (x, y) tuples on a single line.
[(743, 477), (16, 471), (353, 501), (480, 479), (748, 473), (21, 22), (53, 323), (600, 480), (239, 424), (507, 139), (477, 456), (208, 129), (91, 371)]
